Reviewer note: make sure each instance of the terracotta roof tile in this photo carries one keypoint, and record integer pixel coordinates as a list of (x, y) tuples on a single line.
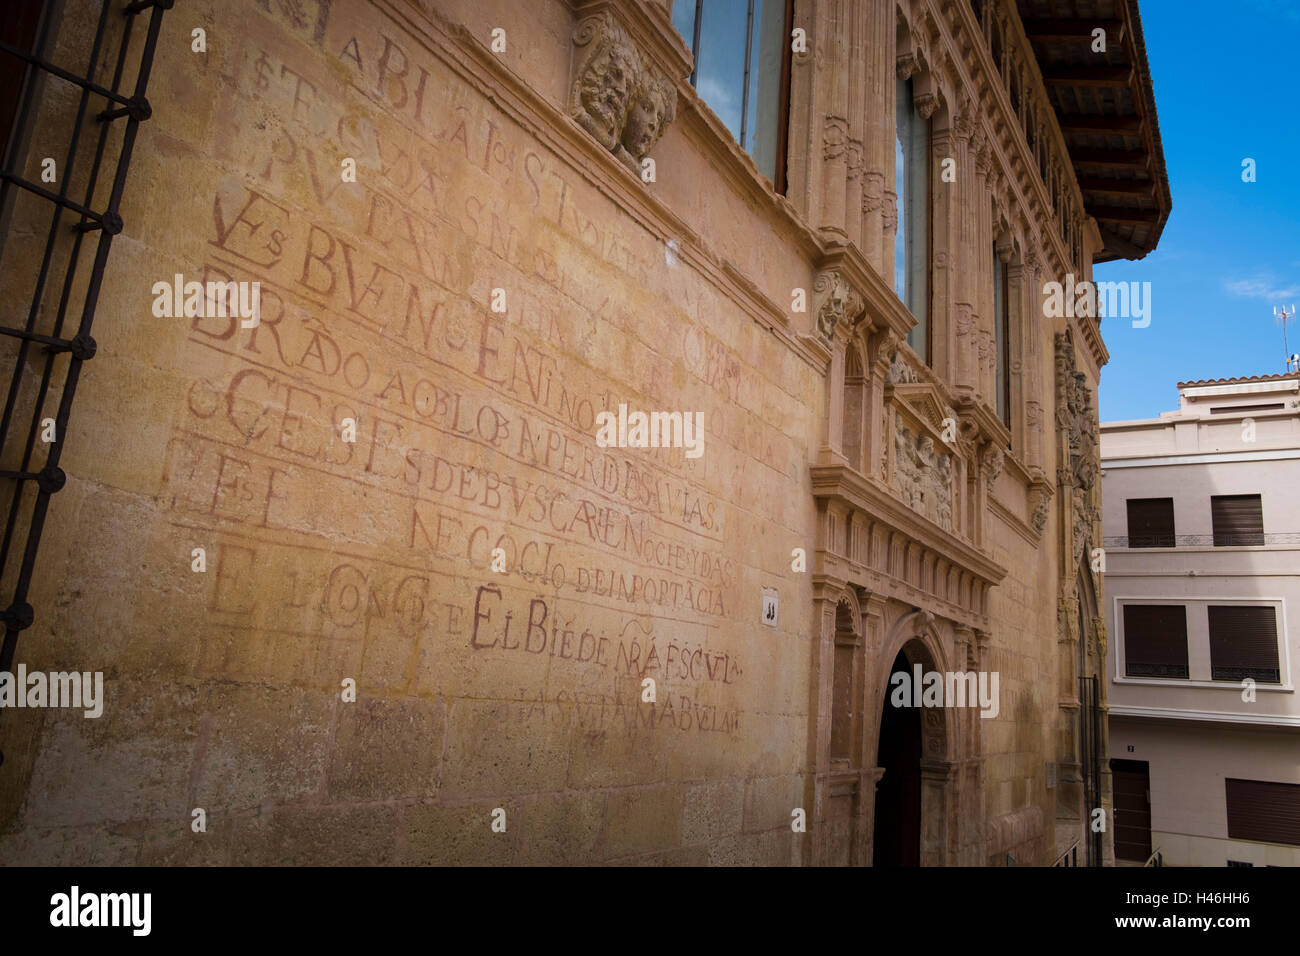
[(1240, 381)]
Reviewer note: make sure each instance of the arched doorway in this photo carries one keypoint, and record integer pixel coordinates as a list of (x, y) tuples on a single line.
[(897, 834)]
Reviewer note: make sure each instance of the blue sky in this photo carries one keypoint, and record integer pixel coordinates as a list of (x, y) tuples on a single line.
[(1227, 87)]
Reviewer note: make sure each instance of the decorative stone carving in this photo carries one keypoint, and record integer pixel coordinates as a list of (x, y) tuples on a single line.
[(890, 216), (926, 104), (854, 150), (906, 64), (1078, 423), (922, 475), (899, 370), (1042, 503), (993, 462), (621, 100), (873, 188), (834, 136), (836, 302), (653, 107)]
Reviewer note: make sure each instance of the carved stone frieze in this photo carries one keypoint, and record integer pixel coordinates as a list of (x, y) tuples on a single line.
[(922, 474)]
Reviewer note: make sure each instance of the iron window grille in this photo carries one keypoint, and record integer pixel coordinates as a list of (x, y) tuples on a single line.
[(60, 308)]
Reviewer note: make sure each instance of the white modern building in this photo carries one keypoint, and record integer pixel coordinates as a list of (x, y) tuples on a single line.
[(1201, 524)]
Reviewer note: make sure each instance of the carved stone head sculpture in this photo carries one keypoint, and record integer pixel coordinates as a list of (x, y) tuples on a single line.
[(605, 80), (652, 107)]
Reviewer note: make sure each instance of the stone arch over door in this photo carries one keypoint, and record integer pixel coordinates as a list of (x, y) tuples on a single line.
[(915, 635)]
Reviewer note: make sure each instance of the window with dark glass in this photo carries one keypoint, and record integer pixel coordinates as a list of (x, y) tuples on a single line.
[(912, 241), (1238, 520), (1243, 643), (1155, 640), (1150, 522), (1001, 340), (742, 70)]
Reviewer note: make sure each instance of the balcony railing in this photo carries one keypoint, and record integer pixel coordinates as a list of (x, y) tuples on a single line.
[(1221, 540), (1070, 857)]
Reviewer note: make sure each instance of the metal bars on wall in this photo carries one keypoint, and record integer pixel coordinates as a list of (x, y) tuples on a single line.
[(65, 164)]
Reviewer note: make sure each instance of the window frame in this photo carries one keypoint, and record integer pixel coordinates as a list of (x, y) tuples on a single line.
[(1128, 647), (780, 174), (1172, 536), (1002, 318), (1221, 537), (1223, 634), (925, 175)]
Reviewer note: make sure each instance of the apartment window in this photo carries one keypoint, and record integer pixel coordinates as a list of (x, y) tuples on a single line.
[(1229, 409), (742, 70), (1263, 811), (1151, 522), (912, 241), (1238, 520), (1155, 640), (1243, 643), (1001, 322)]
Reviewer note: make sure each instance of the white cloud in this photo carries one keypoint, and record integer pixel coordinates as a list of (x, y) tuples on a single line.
[(1263, 287), (723, 101)]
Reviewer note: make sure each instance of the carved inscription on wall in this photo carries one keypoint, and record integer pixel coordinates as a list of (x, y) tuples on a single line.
[(474, 429)]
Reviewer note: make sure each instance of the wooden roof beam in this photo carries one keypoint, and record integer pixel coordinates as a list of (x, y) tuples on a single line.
[(1120, 214), (1083, 123), (1067, 31), (1108, 75), (1119, 158), (1117, 187)]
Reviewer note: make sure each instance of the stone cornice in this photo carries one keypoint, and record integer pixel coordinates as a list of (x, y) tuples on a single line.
[(1014, 521)]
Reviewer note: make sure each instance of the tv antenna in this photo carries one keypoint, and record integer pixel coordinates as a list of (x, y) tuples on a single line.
[(1281, 316)]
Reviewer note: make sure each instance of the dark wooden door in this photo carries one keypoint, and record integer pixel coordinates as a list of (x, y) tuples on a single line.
[(1131, 781)]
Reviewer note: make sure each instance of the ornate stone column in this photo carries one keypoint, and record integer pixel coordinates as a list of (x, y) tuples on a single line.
[(878, 133)]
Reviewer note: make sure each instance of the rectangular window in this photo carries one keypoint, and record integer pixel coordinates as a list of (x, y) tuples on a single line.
[(1263, 811), (1229, 409), (1243, 643), (912, 241), (1238, 520), (742, 70), (1155, 640), (1001, 322), (1151, 523)]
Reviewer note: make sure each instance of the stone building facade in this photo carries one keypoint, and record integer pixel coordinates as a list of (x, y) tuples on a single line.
[(881, 485)]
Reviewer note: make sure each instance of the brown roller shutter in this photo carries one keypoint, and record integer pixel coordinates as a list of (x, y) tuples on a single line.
[(1238, 520), (1243, 643), (1263, 811), (1155, 640), (1150, 522)]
